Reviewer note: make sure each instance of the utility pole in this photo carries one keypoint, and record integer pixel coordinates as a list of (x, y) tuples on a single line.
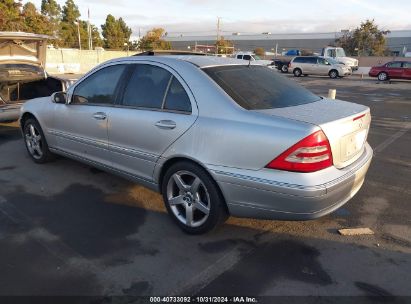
[(218, 34), (90, 40), (78, 33)]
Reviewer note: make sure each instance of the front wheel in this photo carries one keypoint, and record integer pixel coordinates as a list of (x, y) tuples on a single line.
[(192, 198), (333, 74), (382, 76), (35, 141)]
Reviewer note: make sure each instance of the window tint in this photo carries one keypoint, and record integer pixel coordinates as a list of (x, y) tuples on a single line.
[(146, 87), (394, 65), (177, 98), (312, 60), (99, 88), (247, 57), (257, 87), (239, 56)]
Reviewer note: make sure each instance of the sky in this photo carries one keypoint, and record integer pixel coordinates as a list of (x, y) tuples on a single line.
[(199, 17)]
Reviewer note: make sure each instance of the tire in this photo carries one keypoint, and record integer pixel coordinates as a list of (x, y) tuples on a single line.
[(382, 76), (284, 69), (297, 72), (192, 198), (305, 75), (35, 142), (333, 74)]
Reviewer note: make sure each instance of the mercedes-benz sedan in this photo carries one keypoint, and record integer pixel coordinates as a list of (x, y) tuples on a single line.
[(215, 136)]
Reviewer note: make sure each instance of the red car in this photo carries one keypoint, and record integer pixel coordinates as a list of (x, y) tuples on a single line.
[(392, 70)]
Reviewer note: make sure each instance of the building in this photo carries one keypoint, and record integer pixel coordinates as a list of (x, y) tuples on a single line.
[(397, 41)]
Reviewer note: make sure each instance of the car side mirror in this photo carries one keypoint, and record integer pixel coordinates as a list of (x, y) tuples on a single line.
[(59, 97)]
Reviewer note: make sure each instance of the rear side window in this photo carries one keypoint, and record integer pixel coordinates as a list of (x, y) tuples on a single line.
[(239, 56), (256, 87), (300, 60), (99, 88), (177, 98), (146, 87)]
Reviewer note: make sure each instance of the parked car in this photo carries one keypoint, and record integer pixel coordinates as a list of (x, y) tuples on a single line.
[(315, 65), (253, 59), (392, 70), (22, 75), (215, 136), (338, 53)]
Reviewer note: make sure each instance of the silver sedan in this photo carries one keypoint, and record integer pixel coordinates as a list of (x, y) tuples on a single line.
[(215, 136)]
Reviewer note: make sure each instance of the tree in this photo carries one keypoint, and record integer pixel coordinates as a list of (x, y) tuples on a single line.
[(10, 17), (224, 46), (153, 40), (34, 21), (365, 40), (71, 12), (116, 33), (52, 10), (69, 27), (259, 51)]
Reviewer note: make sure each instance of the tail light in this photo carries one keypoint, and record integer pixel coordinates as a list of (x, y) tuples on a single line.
[(310, 154)]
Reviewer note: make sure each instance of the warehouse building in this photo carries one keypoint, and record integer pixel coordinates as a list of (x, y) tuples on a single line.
[(397, 41)]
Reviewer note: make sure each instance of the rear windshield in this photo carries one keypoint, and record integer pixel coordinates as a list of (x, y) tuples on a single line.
[(10, 71), (256, 87)]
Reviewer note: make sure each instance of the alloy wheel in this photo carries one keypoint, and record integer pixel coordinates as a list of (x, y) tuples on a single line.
[(188, 198), (34, 141)]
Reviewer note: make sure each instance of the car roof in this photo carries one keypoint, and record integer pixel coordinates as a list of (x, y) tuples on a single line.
[(199, 61)]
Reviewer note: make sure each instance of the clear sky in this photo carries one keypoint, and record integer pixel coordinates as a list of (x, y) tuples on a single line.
[(198, 17)]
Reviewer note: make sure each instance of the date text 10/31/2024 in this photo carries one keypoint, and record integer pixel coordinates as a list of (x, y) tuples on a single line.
[(203, 299)]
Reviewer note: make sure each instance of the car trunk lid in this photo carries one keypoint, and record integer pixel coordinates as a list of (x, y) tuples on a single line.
[(345, 124), (19, 49)]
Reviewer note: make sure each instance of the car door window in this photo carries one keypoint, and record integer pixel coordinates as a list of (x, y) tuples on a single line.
[(322, 61), (247, 57), (407, 65), (147, 87), (177, 98), (100, 87), (394, 65), (239, 56)]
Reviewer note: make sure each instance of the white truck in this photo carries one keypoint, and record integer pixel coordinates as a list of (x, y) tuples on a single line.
[(338, 53), (253, 58)]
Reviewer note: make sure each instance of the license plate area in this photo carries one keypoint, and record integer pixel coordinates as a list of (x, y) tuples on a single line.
[(352, 144)]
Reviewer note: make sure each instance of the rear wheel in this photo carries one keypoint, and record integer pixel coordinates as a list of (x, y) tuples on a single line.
[(297, 72), (284, 68), (382, 76), (192, 198), (35, 141), (333, 74)]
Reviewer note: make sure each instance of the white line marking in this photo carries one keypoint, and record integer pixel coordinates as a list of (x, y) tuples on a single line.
[(391, 139)]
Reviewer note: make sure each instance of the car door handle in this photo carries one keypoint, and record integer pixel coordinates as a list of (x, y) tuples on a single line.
[(100, 116), (165, 124)]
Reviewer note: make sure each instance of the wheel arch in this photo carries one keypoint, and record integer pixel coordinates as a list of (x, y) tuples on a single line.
[(25, 117), (171, 161)]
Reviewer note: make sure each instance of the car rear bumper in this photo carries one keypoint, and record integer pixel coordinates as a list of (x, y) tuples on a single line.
[(254, 197), (9, 113)]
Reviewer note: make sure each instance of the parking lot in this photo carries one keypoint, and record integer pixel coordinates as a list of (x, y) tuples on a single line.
[(69, 229)]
